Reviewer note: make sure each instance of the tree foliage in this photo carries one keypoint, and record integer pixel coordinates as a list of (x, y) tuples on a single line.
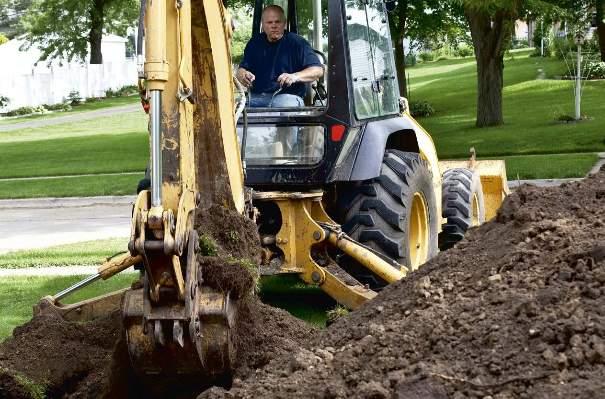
[(67, 29), (10, 13), (423, 21)]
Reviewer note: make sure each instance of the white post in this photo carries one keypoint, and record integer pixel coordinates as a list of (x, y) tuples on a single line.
[(317, 25), (542, 38), (578, 81)]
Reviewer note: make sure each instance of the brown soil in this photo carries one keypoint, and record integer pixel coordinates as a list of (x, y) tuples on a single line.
[(11, 388), (67, 358), (516, 310), (234, 236)]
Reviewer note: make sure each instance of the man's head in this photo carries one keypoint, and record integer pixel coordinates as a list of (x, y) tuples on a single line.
[(274, 22)]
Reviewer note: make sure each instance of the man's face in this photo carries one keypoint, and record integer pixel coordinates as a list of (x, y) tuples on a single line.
[(273, 26)]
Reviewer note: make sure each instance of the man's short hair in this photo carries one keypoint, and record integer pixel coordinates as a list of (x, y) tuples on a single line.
[(277, 9)]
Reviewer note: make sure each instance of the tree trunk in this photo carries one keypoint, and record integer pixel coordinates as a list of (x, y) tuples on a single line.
[(96, 31), (600, 6), (491, 35), (399, 35), (489, 90)]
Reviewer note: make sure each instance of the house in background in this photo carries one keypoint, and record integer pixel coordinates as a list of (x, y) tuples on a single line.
[(27, 82)]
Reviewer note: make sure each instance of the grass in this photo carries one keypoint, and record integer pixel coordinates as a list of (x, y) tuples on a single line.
[(89, 106), (551, 166), (82, 253), (74, 155), (306, 302), (19, 294), (114, 125), (115, 144), (78, 186), (530, 108)]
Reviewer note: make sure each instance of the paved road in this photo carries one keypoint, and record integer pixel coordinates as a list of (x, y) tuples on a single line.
[(75, 117), (38, 223)]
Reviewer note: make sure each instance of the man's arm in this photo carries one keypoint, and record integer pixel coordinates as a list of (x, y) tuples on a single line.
[(307, 75)]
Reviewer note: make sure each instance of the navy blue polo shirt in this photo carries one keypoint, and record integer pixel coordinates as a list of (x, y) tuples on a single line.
[(267, 61)]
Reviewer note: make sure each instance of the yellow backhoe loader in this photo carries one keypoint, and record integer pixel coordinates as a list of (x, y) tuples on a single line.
[(358, 202)]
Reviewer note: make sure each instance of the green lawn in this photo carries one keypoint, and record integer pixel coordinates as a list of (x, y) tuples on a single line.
[(80, 186), (89, 106), (530, 108), (75, 155), (82, 253)]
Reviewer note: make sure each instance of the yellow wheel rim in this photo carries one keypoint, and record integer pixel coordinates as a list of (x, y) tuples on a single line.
[(418, 232), (475, 211)]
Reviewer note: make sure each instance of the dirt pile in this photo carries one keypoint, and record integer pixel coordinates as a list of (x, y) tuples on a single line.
[(59, 358), (89, 360), (516, 310)]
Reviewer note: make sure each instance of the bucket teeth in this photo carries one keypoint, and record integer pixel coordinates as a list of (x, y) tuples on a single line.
[(158, 333), (177, 333)]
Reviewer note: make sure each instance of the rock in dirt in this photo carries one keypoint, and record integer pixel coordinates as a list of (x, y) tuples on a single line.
[(537, 330)]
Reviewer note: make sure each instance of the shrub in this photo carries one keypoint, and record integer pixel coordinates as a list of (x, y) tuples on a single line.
[(122, 91), (442, 58), (519, 43), (74, 98), (562, 46), (3, 39), (421, 108), (410, 59), (58, 107), (128, 90), (596, 70), (426, 56), (93, 99), (564, 118), (4, 101), (26, 111), (464, 51)]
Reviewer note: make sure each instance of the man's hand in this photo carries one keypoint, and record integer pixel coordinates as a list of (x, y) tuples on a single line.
[(246, 77), (287, 79)]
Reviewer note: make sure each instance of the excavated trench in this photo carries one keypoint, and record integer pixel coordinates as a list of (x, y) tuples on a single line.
[(516, 310)]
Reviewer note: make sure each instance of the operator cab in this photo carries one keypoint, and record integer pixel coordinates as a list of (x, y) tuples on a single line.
[(305, 146)]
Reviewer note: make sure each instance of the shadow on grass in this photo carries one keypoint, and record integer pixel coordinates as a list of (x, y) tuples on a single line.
[(288, 292)]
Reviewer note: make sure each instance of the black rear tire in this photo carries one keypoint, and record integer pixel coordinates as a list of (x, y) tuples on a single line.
[(462, 205), (378, 212)]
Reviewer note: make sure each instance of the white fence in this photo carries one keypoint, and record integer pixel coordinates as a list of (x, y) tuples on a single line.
[(26, 83)]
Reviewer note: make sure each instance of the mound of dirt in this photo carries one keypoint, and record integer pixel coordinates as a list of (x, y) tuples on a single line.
[(516, 310), (90, 360), (66, 359)]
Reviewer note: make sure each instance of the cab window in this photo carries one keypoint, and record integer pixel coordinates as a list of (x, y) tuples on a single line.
[(372, 66)]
